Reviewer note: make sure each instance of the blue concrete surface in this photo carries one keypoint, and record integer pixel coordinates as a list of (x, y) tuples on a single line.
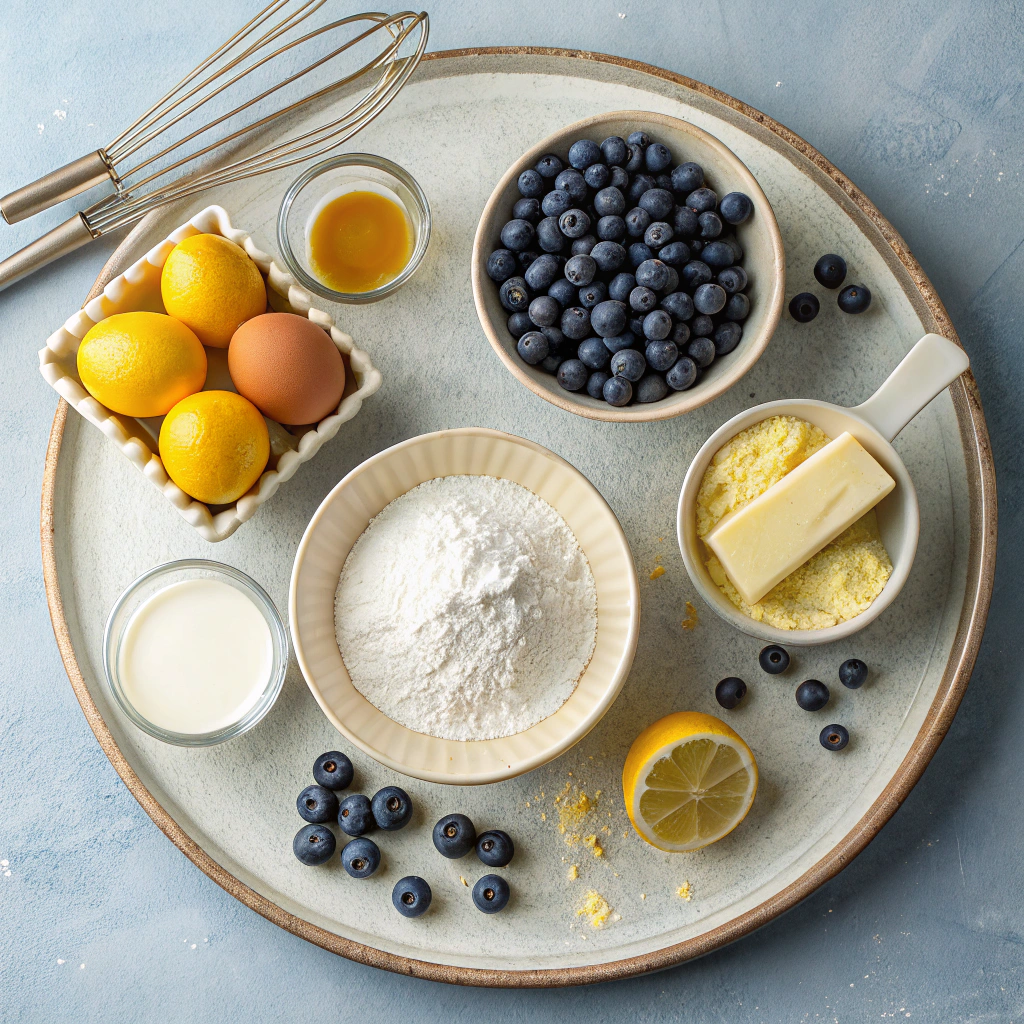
[(101, 919)]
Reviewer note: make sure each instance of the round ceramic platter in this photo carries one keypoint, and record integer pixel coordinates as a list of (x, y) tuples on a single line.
[(457, 126)]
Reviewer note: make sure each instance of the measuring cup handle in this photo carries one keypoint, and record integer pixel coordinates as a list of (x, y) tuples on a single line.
[(926, 370)]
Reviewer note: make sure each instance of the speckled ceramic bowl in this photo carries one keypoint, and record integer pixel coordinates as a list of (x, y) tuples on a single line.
[(764, 261), (347, 511)]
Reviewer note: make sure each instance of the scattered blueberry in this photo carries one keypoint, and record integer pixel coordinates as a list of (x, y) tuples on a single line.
[(454, 836), (314, 844), (853, 674), (596, 382), (572, 375), (495, 848), (682, 375), (735, 207), (549, 166), (729, 692), (628, 363), (773, 659), (392, 808), (650, 388), (830, 270), (333, 770), (727, 336), (491, 894), (701, 351), (812, 695), (317, 804), (854, 298), (584, 153), (355, 815), (834, 737), (360, 858), (803, 308), (411, 896), (709, 299), (501, 265)]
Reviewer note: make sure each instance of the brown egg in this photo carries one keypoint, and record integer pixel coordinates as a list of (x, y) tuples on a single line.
[(287, 367)]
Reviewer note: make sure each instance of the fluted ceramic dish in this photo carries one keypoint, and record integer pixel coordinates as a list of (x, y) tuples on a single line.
[(347, 511), (764, 260)]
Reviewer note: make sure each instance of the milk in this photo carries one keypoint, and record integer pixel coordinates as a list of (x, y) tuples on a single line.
[(195, 657)]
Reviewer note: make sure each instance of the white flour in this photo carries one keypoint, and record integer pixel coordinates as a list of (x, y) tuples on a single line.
[(467, 609)]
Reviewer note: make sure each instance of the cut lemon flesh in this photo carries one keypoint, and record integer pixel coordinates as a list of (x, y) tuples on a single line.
[(688, 781)]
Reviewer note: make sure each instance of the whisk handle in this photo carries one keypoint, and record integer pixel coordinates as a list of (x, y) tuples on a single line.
[(65, 238), (55, 187)]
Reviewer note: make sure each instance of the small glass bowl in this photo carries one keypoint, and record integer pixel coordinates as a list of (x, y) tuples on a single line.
[(148, 584), (301, 200)]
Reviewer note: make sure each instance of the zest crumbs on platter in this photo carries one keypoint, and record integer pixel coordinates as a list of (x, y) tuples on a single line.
[(684, 892), (596, 910), (690, 622), (657, 572), (574, 872)]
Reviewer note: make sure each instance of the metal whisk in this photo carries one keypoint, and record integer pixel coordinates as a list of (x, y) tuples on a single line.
[(148, 162)]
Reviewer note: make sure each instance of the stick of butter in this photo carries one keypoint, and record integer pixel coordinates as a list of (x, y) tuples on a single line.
[(760, 544)]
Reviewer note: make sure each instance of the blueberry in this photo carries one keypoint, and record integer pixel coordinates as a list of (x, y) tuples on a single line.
[(682, 375), (658, 325), (411, 895), (454, 834), (687, 178), (557, 344), (572, 375), (664, 181), (583, 246), (628, 363), (686, 222), (651, 388), (735, 207), (545, 311), (597, 175), (658, 234), (709, 299), (853, 674), (494, 847), (661, 354), (596, 382), (652, 273), (732, 279), (501, 265), (639, 138), (710, 225), (737, 249), (678, 304), (608, 318), (584, 153), (854, 298), (580, 270), (360, 858), (620, 287), (812, 695), (574, 223), (576, 323), (619, 341), (701, 351), (671, 281), (636, 326), (391, 807), (548, 166), (834, 737), (608, 256), (317, 804), (638, 186), (517, 235), (563, 291), (773, 659), (556, 202), (737, 308), (617, 391), (639, 253), (333, 770), (718, 254), (614, 151), (702, 199), (593, 293), (657, 157), (642, 299), (620, 178), (635, 161), (542, 272), (830, 270), (695, 274), (549, 236), (520, 323), (593, 354), (680, 333), (552, 363), (727, 336), (355, 815), (525, 259), (573, 182), (696, 246), (675, 254), (527, 209), (657, 202), (637, 221), (729, 692), (609, 202), (514, 295), (611, 228), (803, 308), (491, 894), (314, 844), (531, 184), (702, 326)]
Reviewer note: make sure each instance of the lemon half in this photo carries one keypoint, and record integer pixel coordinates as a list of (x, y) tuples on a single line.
[(688, 781)]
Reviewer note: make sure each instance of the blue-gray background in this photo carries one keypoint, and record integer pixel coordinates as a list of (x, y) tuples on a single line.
[(101, 918)]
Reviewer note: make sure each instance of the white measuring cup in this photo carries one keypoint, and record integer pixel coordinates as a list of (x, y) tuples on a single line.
[(926, 370)]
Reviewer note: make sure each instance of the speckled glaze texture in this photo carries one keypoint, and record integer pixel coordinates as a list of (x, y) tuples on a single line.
[(231, 818)]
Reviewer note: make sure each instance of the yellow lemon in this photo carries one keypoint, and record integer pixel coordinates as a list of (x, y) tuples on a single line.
[(141, 364), (688, 780), (214, 446), (212, 286)]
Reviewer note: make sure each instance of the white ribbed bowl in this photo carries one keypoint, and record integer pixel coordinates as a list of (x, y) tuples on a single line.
[(343, 516)]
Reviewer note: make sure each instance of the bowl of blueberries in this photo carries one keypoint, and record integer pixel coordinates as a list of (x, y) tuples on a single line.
[(628, 267)]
